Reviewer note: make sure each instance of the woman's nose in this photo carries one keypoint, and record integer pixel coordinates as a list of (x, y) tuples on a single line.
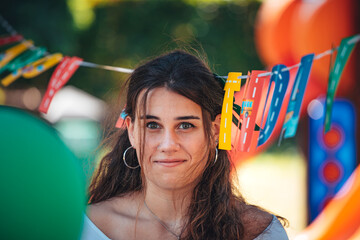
[(169, 142)]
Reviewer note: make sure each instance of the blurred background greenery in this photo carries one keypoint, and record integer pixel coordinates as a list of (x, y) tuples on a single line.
[(124, 33)]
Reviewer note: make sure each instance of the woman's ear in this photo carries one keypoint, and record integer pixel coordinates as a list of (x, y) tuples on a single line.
[(130, 129), (216, 127)]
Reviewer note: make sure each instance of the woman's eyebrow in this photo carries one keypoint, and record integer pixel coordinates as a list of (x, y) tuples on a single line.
[(187, 117), (149, 117), (177, 118)]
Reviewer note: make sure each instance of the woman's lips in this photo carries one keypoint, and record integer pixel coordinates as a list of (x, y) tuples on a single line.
[(169, 163)]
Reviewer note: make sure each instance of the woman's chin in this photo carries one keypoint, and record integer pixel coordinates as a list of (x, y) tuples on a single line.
[(172, 183)]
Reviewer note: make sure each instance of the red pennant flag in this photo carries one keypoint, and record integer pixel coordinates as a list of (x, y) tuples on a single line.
[(59, 78), (250, 108)]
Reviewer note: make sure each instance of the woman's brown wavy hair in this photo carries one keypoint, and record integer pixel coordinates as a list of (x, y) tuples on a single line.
[(215, 209)]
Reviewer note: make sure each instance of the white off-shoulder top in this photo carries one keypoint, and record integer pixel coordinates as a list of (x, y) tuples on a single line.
[(275, 231)]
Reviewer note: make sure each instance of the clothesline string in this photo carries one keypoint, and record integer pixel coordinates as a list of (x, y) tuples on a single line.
[(110, 68), (321, 55), (318, 56), (7, 26), (12, 31)]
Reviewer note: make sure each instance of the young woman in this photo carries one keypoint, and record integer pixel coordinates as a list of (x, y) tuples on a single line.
[(164, 177)]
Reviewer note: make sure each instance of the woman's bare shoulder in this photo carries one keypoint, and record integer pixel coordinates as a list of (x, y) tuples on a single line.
[(123, 205), (114, 215), (255, 221)]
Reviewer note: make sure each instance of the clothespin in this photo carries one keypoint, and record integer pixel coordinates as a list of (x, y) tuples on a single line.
[(11, 53)]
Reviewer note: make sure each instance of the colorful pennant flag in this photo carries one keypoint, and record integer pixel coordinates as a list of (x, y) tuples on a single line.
[(281, 80), (296, 97), (232, 84), (120, 122), (250, 108), (59, 78), (344, 51)]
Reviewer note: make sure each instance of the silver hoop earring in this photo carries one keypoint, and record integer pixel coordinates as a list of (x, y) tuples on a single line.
[(216, 155), (124, 156)]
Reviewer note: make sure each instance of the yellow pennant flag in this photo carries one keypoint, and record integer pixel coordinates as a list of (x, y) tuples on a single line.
[(232, 84)]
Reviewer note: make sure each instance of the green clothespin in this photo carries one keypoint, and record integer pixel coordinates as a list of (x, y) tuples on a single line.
[(24, 59)]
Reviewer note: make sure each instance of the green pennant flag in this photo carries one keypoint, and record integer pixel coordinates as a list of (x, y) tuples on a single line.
[(344, 51)]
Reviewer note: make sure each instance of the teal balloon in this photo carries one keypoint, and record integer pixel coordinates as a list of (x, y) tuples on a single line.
[(41, 182)]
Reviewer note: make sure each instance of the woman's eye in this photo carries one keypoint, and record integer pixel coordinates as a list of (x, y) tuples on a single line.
[(152, 125), (186, 125)]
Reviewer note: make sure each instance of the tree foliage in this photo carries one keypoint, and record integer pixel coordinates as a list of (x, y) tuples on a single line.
[(125, 33)]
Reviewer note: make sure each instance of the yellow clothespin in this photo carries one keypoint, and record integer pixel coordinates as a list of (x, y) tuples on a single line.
[(11, 77), (41, 65), (33, 69), (14, 51), (232, 84)]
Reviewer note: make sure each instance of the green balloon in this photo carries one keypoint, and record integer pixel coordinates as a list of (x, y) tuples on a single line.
[(41, 182)]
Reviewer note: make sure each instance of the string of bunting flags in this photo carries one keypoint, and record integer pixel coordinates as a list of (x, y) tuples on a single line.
[(28, 61)]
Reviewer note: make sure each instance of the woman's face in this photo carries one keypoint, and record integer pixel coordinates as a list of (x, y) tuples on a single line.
[(175, 146)]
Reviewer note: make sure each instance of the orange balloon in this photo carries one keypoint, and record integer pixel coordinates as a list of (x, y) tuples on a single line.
[(318, 26), (282, 35), (269, 35), (289, 29)]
